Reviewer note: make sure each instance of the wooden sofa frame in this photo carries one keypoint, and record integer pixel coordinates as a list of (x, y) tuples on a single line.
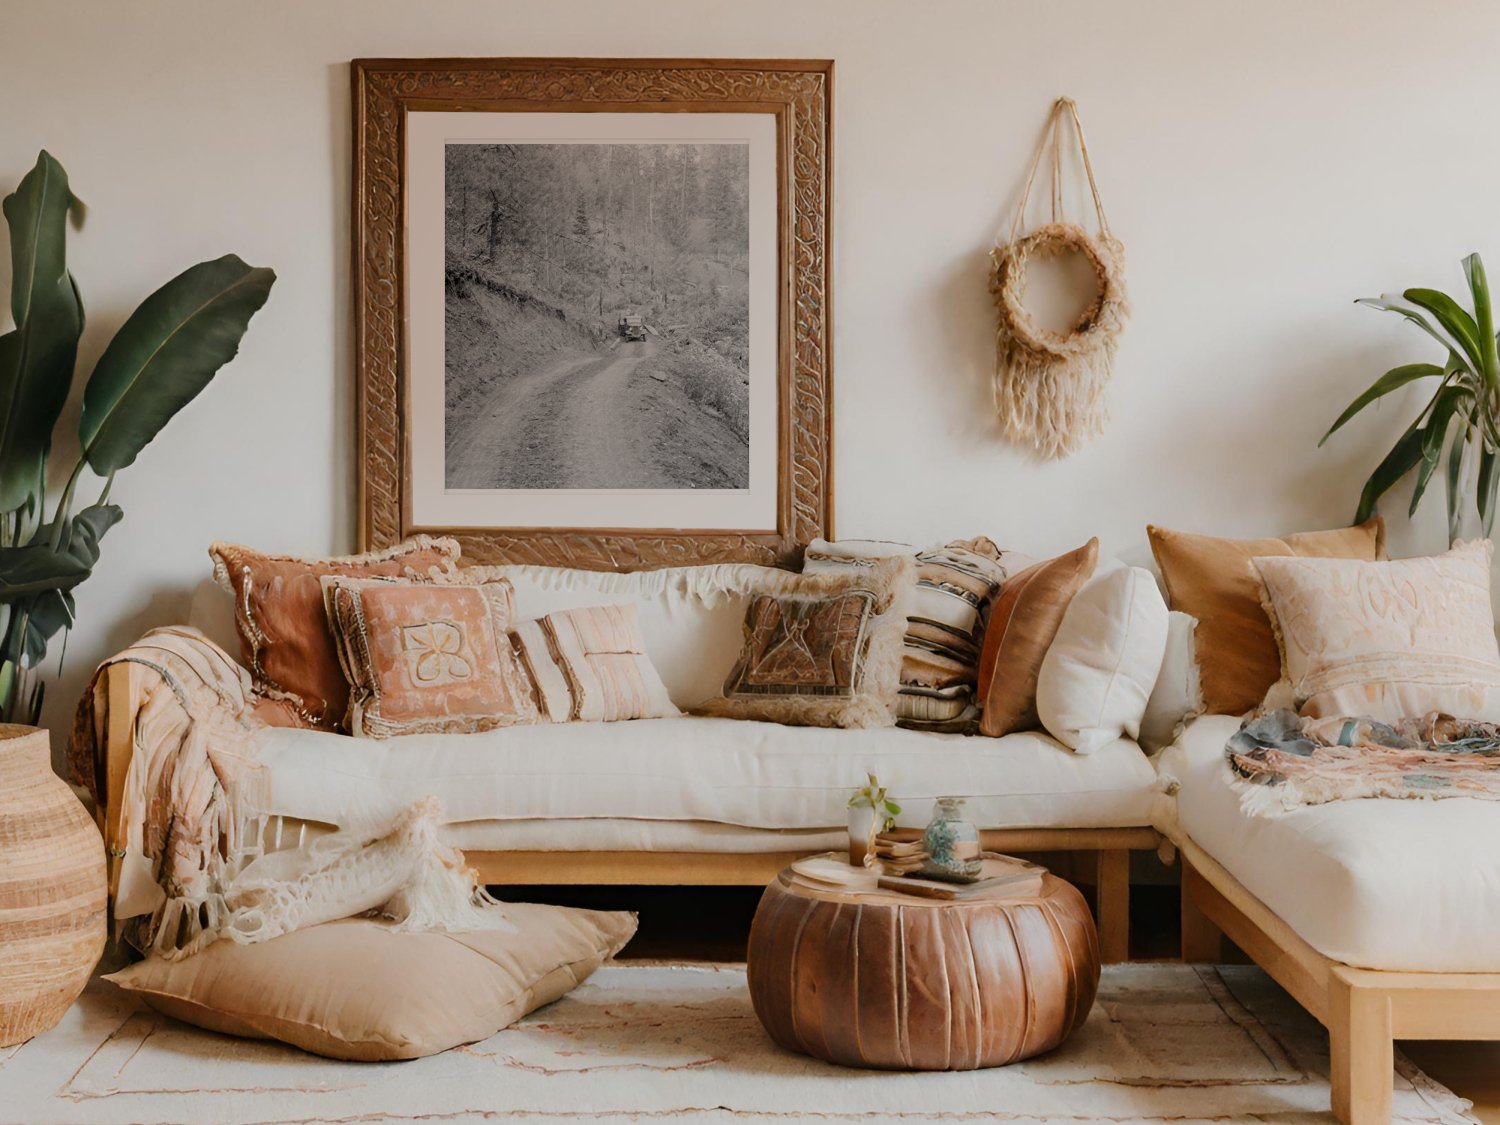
[(1364, 1010), (1111, 846)]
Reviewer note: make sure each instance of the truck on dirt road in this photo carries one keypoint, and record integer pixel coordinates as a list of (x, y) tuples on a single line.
[(632, 328)]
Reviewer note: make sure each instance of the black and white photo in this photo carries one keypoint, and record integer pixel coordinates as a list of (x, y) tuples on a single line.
[(596, 315)]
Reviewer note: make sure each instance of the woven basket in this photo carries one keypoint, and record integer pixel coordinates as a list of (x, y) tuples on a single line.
[(52, 889)]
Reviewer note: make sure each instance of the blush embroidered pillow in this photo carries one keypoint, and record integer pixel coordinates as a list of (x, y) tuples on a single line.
[(1387, 640), (823, 649), (284, 634), (590, 665), (427, 657)]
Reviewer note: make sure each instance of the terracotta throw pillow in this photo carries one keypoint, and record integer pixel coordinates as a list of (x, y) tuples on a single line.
[(590, 665), (285, 640), (358, 990), (1026, 617), (1215, 581), (427, 657), (823, 649), (1388, 640)]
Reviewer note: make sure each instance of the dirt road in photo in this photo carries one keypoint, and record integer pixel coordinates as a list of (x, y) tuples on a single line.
[(591, 421)]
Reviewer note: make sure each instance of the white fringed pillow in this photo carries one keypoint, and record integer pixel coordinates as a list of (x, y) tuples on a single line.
[(1388, 640), (1098, 673)]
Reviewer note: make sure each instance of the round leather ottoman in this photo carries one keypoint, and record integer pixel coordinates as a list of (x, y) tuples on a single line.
[(883, 979)]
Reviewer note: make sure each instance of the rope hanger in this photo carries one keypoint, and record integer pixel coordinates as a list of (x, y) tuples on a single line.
[(1049, 386)]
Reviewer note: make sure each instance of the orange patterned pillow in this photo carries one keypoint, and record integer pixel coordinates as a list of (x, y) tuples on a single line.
[(424, 657), (284, 635)]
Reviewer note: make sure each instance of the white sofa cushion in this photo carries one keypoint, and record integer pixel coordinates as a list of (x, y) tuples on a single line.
[(1379, 884), (731, 771), (1101, 665)]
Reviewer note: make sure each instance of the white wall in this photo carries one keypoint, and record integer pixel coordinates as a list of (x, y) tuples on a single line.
[(1264, 164)]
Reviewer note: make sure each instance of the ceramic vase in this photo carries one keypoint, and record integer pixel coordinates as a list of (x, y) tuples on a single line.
[(861, 831), (951, 843), (52, 888)]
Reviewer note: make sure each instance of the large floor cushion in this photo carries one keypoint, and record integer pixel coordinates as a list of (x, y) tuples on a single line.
[(1379, 884), (730, 771)]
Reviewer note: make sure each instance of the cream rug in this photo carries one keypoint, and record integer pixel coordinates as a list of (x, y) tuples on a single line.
[(645, 1042)]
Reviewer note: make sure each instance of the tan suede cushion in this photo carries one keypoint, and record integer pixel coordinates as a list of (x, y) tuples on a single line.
[(1024, 620), (1214, 580), (427, 657), (356, 990), (285, 640)]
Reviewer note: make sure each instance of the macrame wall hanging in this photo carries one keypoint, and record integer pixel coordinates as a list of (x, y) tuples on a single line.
[(1049, 386)]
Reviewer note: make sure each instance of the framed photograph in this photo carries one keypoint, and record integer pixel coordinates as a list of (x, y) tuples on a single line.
[(592, 307)]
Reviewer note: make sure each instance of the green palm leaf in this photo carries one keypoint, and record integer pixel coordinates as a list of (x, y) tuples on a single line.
[(166, 353), (37, 356), (1402, 458), (1394, 379), (1457, 322)]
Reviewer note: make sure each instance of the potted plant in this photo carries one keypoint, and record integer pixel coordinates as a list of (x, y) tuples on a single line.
[(1457, 427), (871, 811), (52, 870), (162, 356)]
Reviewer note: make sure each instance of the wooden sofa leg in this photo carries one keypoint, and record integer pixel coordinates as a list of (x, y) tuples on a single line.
[(1112, 886), (1202, 941), (1361, 1052)]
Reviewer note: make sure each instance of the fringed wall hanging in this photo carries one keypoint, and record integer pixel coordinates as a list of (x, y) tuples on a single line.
[(1049, 386)]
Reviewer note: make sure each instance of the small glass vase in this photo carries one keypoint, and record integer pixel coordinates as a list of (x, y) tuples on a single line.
[(951, 843)]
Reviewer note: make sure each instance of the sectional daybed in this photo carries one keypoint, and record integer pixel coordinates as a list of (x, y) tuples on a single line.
[(1380, 916)]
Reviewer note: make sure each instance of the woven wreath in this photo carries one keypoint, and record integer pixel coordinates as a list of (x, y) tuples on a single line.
[(1049, 386)]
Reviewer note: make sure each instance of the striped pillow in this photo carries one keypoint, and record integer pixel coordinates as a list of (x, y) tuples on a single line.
[(590, 665), (956, 584)]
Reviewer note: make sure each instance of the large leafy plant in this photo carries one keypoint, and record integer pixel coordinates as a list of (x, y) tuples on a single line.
[(163, 355), (1457, 427)]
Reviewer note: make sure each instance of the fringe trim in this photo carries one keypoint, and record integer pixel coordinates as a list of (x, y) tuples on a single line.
[(1049, 386), (709, 585)]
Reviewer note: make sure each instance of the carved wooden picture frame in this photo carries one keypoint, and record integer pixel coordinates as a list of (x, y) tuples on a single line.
[(394, 388)]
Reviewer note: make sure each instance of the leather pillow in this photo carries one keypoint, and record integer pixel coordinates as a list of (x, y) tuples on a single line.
[(285, 640), (1025, 619), (1215, 581), (358, 990)]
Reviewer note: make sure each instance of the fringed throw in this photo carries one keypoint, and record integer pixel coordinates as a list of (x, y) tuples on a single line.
[(1280, 761), (191, 841), (1049, 386)]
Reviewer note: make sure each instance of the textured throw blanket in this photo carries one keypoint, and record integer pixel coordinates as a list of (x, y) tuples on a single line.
[(197, 860), (1281, 761)]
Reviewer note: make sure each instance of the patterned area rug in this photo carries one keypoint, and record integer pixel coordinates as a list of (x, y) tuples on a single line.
[(646, 1042)]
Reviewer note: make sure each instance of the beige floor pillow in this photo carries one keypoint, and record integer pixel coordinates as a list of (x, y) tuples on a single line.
[(356, 990)]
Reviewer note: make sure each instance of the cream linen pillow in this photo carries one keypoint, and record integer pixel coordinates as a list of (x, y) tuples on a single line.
[(1177, 693), (1390, 640), (590, 666), (1099, 671), (358, 990)]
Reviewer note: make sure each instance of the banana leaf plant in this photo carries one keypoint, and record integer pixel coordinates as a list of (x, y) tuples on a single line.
[(1457, 428), (164, 354)]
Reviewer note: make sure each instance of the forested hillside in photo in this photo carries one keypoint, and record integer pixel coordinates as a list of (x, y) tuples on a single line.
[(597, 315), (601, 230)]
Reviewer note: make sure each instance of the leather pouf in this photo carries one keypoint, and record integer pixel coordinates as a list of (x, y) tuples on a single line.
[(896, 982), (52, 888)]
